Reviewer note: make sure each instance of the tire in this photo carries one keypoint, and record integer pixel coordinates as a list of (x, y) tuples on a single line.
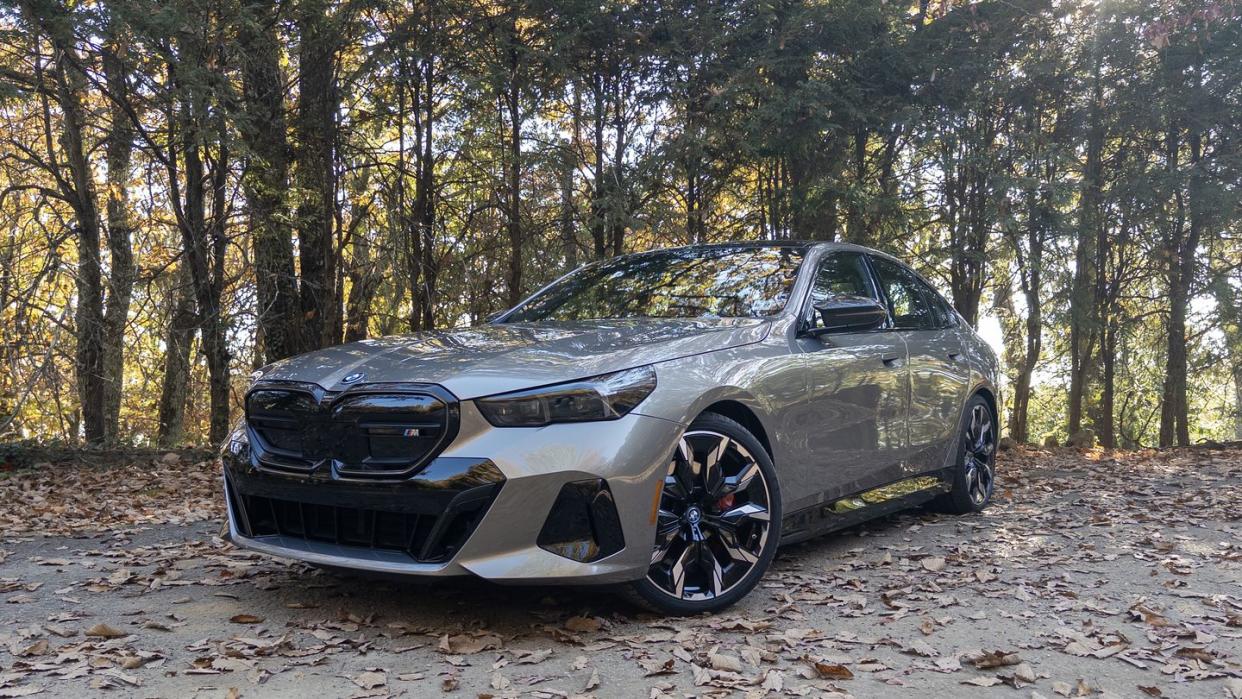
[(974, 471), (707, 561)]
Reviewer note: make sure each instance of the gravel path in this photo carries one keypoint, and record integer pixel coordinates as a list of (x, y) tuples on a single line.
[(1093, 575)]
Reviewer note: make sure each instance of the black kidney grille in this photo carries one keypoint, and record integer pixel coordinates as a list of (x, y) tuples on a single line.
[(367, 433)]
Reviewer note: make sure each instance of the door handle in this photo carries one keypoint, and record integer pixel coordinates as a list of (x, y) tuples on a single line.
[(890, 359)]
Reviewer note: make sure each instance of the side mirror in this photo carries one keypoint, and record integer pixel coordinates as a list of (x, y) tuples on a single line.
[(849, 313)]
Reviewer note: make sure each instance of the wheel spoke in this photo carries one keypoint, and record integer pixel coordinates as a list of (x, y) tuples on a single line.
[(668, 530), (985, 475), (678, 572), (679, 482), (711, 471), (736, 551), (983, 437), (716, 572), (740, 482), (734, 518)]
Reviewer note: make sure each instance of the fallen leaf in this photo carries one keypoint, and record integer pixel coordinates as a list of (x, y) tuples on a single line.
[(583, 624), (996, 658), (832, 671), (370, 679), (105, 631)]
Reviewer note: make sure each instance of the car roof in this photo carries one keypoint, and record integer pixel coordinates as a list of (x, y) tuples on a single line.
[(802, 246)]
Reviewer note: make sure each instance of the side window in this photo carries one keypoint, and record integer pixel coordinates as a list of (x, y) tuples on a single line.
[(945, 317), (839, 274), (909, 306)]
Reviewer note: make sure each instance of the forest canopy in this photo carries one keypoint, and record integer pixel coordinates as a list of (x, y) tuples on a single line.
[(192, 190)]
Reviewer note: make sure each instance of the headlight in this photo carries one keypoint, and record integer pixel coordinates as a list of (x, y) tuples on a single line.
[(604, 397), (238, 443)]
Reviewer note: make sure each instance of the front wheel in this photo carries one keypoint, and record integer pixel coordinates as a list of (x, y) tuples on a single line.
[(718, 523), (974, 473)]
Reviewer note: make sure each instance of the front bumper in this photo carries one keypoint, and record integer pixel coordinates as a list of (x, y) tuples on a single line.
[(517, 474)]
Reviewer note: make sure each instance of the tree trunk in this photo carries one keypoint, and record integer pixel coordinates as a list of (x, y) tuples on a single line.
[(514, 223), (1083, 310), (119, 150), (569, 243), (315, 173), (89, 359), (1105, 425), (1030, 271), (174, 390), (569, 238), (513, 194), (1180, 257), (1237, 401), (426, 204), (363, 282), (1174, 407), (599, 193), (265, 180), (204, 245)]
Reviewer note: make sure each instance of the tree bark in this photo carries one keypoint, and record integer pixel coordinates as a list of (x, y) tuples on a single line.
[(425, 202), (1030, 273), (1180, 259), (315, 172), (204, 244), (363, 282), (265, 180), (1084, 315), (511, 98), (174, 389), (569, 243), (79, 190), (119, 151)]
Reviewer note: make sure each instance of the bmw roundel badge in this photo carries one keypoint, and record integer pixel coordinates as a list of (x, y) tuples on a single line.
[(354, 378)]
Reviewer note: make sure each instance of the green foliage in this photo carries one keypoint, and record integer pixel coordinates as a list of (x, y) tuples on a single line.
[(478, 149)]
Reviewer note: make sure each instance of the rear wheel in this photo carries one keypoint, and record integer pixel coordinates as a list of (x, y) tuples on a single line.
[(974, 474), (718, 523)]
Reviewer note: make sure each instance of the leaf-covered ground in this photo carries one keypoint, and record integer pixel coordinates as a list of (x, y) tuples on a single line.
[(1094, 574)]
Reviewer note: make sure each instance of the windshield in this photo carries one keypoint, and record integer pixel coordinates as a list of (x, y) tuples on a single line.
[(716, 282)]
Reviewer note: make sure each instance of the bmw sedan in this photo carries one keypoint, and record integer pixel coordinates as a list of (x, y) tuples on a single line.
[(660, 422)]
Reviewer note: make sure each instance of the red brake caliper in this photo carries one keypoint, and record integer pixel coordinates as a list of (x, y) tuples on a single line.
[(725, 502)]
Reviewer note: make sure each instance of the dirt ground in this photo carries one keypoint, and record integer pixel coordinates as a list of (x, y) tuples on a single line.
[(1094, 574)]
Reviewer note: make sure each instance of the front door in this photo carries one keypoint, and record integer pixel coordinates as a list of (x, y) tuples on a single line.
[(858, 388)]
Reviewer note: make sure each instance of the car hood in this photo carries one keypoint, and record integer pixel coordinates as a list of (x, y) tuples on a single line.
[(498, 358)]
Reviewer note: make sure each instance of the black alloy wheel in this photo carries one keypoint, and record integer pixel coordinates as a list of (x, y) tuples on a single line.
[(718, 520), (974, 475)]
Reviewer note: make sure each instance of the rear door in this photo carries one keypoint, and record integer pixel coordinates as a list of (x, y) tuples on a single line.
[(858, 387), (939, 375)]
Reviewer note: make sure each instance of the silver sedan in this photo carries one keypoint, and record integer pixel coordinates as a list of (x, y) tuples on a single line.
[(660, 422)]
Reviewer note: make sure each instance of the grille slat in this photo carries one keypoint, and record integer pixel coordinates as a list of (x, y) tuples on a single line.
[(415, 534)]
